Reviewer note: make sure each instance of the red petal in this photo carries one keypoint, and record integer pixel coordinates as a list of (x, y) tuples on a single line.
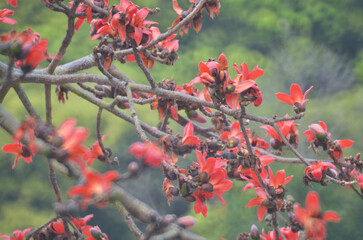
[(331, 216), (244, 85), (296, 93), (345, 143), (255, 202), (261, 212), (256, 73), (285, 98), (312, 203), (223, 62), (232, 101), (191, 141), (188, 129), (176, 7), (306, 92), (317, 174), (174, 113)]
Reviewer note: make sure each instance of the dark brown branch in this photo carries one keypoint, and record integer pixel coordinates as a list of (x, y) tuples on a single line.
[(146, 71)]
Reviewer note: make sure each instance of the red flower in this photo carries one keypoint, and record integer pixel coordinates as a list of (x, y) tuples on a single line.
[(150, 152), (12, 2), (20, 150), (296, 98), (316, 169), (95, 186), (188, 138), (81, 222), (17, 234), (199, 205), (279, 180), (217, 184), (358, 177), (95, 153), (57, 228), (339, 145), (258, 201), (169, 44), (205, 76), (249, 175), (244, 77), (288, 131), (234, 136), (287, 232), (245, 74), (317, 131), (72, 139), (3, 16), (94, 233), (312, 219), (36, 54)]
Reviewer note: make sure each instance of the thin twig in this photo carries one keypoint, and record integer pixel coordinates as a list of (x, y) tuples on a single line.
[(30, 234), (289, 145), (53, 180), (134, 116), (141, 65)]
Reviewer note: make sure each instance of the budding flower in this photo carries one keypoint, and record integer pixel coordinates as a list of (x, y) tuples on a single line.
[(207, 187), (255, 234), (186, 221), (318, 131)]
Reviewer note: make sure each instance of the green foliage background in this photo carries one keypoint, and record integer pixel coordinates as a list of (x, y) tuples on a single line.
[(311, 42)]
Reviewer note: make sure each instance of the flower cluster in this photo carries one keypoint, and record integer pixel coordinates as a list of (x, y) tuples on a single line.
[(27, 48), (218, 86)]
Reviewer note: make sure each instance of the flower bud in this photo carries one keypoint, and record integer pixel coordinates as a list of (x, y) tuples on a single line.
[(255, 234), (184, 190), (298, 107), (233, 142), (275, 144), (203, 177), (186, 221), (290, 199), (97, 234), (133, 167), (318, 131), (207, 187)]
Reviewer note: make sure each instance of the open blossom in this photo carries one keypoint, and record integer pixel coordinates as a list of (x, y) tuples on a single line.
[(79, 223), (72, 138), (312, 219), (96, 186), (288, 131), (234, 136), (17, 235), (150, 152), (21, 151), (296, 98), (95, 153), (259, 201), (212, 72), (3, 16), (215, 182), (358, 177), (316, 169)]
